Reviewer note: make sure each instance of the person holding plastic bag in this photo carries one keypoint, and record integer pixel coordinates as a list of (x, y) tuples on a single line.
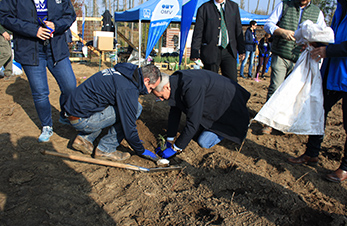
[(282, 23), (334, 88)]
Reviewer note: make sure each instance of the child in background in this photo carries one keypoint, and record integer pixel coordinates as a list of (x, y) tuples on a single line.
[(264, 48)]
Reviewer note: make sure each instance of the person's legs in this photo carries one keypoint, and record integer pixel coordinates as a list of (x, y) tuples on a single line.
[(280, 69), (260, 63), (115, 135), (229, 65), (343, 165), (208, 139), (244, 63), (5, 56), (214, 67), (251, 61), (37, 77), (90, 128), (266, 60), (65, 77)]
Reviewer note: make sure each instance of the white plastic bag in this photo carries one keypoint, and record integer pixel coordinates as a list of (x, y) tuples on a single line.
[(297, 105)]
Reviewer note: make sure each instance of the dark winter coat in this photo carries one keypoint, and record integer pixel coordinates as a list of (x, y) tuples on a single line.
[(20, 17), (250, 44), (207, 29), (209, 100)]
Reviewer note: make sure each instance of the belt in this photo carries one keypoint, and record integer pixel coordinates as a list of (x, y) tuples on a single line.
[(73, 118)]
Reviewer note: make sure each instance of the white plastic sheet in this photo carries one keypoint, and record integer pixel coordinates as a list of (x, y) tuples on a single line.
[(297, 105)]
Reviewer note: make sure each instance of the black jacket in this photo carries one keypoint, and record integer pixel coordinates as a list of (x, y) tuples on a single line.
[(261, 48), (209, 100), (207, 29)]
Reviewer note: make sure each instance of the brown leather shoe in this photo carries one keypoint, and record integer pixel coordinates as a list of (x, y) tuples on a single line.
[(303, 159), (83, 145), (338, 176), (113, 156)]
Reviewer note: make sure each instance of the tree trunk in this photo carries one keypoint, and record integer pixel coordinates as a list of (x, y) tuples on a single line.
[(267, 9), (273, 5), (256, 9)]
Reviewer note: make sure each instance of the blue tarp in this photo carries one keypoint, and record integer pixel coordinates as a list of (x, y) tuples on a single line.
[(144, 11)]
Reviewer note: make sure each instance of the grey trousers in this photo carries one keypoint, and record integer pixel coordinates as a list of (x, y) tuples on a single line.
[(280, 69), (5, 56)]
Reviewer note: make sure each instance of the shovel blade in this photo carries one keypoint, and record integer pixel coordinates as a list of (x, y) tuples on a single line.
[(158, 169)]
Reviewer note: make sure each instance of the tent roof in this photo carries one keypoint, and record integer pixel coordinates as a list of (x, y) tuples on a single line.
[(144, 11)]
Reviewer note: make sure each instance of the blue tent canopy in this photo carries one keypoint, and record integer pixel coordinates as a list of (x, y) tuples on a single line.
[(144, 11)]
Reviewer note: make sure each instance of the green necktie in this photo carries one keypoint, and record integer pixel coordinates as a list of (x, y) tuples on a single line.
[(223, 27)]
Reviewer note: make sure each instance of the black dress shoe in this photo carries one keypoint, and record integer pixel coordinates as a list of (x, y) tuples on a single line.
[(338, 176), (303, 159)]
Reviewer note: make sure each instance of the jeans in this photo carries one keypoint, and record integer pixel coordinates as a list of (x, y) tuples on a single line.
[(37, 76), (90, 128), (251, 60), (208, 139), (280, 69)]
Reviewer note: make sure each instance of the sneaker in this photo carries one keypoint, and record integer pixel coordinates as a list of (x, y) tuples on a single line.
[(64, 120), (47, 132), (83, 145), (113, 156)]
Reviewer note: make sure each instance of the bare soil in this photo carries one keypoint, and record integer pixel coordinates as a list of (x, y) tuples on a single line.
[(228, 184)]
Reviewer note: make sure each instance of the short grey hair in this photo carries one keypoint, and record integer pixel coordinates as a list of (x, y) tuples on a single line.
[(152, 72), (164, 80)]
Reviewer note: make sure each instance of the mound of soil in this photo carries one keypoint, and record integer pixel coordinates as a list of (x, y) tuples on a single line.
[(228, 184)]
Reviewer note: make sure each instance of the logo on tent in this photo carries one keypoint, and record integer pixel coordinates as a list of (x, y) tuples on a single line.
[(166, 9), (147, 13)]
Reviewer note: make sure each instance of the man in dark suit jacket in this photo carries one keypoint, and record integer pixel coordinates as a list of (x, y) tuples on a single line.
[(215, 108), (207, 43)]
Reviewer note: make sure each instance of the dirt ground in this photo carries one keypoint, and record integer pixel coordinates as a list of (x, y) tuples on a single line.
[(219, 186)]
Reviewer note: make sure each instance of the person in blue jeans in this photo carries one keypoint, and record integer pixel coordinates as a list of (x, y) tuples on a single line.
[(214, 105), (251, 43), (39, 42), (109, 98)]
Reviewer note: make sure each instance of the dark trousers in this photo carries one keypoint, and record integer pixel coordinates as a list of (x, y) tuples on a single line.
[(314, 141), (262, 62), (227, 62)]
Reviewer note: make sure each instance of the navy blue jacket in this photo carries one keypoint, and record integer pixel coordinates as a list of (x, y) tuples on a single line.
[(119, 87), (20, 17), (210, 101), (250, 45)]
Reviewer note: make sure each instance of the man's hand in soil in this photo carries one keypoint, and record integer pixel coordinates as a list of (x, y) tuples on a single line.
[(168, 152)]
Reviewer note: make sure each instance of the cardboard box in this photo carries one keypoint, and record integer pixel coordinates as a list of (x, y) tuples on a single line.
[(105, 43), (97, 34)]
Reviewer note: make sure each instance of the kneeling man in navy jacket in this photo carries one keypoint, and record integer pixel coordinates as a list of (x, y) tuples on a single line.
[(215, 108), (109, 98)]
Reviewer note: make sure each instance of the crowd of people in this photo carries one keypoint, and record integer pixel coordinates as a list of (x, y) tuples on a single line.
[(215, 106)]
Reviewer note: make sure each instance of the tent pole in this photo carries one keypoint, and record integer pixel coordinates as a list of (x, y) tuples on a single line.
[(140, 40)]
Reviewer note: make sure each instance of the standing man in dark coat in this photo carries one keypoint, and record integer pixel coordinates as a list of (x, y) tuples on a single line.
[(217, 37), (215, 108)]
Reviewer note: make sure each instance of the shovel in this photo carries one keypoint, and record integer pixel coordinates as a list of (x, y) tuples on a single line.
[(110, 163)]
